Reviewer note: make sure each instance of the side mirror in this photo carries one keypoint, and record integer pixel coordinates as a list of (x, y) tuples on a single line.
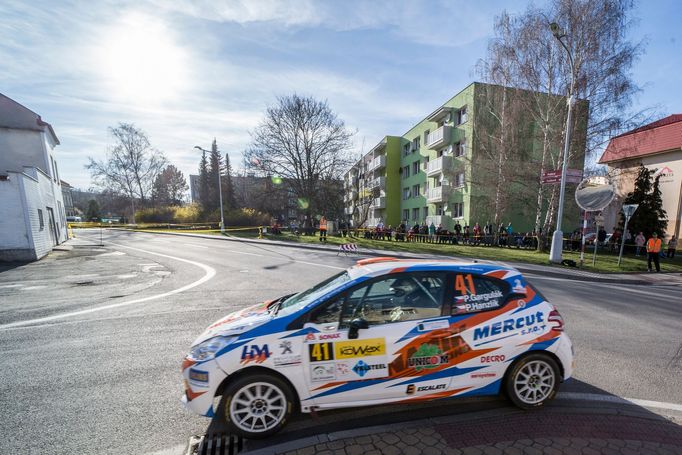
[(355, 326)]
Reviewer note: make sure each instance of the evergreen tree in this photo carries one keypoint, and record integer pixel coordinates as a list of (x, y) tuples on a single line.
[(93, 211), (169, 187), (214, 171), (203, 182), (228, 189), (649, 216)]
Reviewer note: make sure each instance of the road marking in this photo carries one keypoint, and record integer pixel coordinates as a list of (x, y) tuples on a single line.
[(321, 265), (209, 273), (32, 288), (619, 400), (113, 253), (10, 286)]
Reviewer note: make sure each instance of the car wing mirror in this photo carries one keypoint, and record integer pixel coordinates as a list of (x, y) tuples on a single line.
[(355, 326)]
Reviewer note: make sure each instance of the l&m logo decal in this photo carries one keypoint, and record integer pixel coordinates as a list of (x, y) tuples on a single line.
[(255, 353), (360, 348)]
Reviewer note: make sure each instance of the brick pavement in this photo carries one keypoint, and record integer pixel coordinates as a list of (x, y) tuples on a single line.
[(540, 432)]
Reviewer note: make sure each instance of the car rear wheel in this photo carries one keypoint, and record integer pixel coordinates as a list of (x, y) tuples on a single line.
[(533, 381), (257, 406)]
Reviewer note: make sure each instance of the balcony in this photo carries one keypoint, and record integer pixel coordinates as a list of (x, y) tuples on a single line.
[(379, 182), (377, 163), (379, 203), (444, 220), (372, 222), (439, 138), (438, 166), (439, 194)]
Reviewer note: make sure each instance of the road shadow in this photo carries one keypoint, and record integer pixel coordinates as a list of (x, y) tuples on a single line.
[(580, 410)]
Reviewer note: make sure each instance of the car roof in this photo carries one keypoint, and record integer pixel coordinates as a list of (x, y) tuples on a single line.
[(384, 265)]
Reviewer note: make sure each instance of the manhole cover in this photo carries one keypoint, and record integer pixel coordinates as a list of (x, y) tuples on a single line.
[(215, 444)]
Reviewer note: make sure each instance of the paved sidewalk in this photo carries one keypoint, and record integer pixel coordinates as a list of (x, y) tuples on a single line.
[(549, 431), (644, 278)]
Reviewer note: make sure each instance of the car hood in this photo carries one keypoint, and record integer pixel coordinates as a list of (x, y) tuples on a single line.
[(237, 322)]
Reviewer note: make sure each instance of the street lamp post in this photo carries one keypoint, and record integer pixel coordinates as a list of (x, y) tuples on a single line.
[(555, 254), (220, 194)]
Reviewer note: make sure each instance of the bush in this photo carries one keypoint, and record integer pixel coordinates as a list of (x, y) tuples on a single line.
[(172, 214)]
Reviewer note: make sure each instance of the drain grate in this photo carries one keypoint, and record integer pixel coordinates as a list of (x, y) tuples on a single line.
[(217, 444)]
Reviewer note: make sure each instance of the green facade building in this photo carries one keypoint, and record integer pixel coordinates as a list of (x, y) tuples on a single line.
[(464, 163)]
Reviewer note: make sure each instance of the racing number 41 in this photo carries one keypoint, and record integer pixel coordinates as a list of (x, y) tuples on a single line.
[(320, 352)]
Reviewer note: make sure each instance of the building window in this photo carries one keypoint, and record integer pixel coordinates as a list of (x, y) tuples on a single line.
[(458, 210), (406, 214), (426, 163), (406, 149), (415, 144), (41, 221), (406, 194), (406, 171), (459, 179), (415, 190), (415, 167), (461, 148), (463, 115), (426, 136), (54, 173), (425, 212), (415, 214)]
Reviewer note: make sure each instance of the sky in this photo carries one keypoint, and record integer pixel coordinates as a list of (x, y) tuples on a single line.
[(187, 71)]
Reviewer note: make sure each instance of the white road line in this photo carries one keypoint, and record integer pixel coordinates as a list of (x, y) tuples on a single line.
[(619, 400), (321, 265), (209, 273)]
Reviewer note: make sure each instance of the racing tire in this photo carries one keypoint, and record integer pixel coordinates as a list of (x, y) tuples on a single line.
[(257, 406), (532, 381)]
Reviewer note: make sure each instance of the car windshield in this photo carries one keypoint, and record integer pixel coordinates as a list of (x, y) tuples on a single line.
[(302, 299)]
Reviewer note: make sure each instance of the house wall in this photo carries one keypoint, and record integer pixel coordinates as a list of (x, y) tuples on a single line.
[(670, 185), (19, 148), (16, 243)]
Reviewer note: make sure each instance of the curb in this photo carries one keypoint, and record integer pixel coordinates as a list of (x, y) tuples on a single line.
[(562, 409), (519, 266)]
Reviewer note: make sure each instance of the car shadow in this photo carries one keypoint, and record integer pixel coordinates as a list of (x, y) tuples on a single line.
[(578, 404)]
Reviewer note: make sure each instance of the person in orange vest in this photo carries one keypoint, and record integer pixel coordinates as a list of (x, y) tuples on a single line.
[(653, 249), (323, 229)]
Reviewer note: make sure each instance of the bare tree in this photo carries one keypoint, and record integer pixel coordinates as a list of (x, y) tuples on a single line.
[(532, 59), (130, 166), (302, 141)]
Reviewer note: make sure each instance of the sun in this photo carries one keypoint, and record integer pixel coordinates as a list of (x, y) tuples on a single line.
[(141, 62)]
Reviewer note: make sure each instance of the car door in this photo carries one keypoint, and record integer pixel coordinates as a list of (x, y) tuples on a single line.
[(347, 365)]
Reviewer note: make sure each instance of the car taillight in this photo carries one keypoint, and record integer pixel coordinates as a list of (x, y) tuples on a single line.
[(556, 321)]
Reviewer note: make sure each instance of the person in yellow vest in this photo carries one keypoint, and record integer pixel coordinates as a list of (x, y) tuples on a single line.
[(323, 229), (653, 249)]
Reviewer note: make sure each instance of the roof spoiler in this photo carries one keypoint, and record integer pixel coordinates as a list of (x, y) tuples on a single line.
[(375, 260)]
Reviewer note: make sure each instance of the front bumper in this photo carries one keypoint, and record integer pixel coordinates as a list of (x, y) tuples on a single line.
[(200, 383)]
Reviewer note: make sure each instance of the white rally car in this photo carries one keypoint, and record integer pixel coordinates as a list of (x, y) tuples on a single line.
[(383, 331)]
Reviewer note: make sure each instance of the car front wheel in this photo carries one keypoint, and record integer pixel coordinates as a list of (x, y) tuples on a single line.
[(257, 406), (533, 381)]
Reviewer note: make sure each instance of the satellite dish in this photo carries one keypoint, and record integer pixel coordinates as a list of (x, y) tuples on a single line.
[(594, 193)]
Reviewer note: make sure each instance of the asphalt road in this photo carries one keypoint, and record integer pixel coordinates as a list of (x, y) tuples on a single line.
[(91, 340)]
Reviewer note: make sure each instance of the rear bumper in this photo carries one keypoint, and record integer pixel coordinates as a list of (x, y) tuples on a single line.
[(565, 353)]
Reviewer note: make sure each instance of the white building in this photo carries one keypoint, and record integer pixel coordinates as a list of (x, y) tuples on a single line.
[(33, 220)]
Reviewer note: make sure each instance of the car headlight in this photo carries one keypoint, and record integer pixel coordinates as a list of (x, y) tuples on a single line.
[(208, 349)]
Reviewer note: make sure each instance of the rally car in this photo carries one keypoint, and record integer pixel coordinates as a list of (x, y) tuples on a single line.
[(383, 331)]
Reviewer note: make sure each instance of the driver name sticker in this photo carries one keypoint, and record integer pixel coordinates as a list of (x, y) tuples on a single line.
[(359, 348)]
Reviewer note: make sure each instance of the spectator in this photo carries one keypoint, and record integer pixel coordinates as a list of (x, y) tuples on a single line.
[(458, 230), (653, 249), (432, 232), (672, 246), (466, 233), (423, 232), (503, 235), (639, 243), (477, 234), (323, 229), (601, 237), (488, 233)]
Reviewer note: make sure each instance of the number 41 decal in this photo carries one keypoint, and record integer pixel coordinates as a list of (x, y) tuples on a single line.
[(461, 285)]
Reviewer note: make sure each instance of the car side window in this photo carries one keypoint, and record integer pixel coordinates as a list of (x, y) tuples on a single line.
[(329, 312), (396, 298), (474, 293)]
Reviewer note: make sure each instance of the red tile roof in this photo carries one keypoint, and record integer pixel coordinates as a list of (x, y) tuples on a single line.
[(660, 136)]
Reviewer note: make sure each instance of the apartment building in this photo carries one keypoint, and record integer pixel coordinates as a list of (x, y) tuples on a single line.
[(438, 171)]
